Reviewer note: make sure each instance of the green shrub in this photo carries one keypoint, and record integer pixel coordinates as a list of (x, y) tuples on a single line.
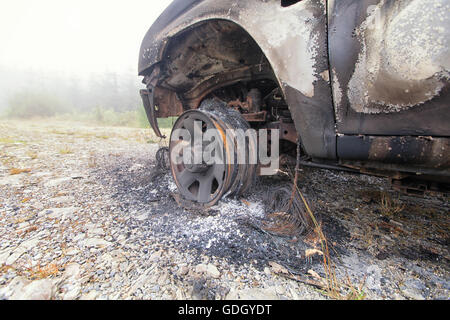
[(167, 123), (41, 105), (34, 104)]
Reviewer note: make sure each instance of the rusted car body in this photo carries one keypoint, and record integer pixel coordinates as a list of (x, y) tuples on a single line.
[(360, 84)]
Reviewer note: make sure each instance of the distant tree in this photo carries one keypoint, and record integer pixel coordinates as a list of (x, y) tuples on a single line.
[(50, 92), (34, 104)]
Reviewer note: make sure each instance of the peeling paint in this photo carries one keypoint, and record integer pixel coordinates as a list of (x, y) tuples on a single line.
[(290, 40), (290, 44), (337, 94), (404, 58), (325, 75)]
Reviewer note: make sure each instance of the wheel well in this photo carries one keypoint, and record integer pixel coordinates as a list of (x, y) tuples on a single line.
[(219, 59), (210, 55)]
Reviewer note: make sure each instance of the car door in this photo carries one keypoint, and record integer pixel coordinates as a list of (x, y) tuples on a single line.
[(390, 65)]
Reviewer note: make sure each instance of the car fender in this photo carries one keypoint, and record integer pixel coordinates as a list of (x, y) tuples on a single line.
[(294, 41)]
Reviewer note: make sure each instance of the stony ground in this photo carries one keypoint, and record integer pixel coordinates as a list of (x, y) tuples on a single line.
[(86, 214)]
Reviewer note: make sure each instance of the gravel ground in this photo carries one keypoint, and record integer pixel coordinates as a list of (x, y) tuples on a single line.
[(86, 214)]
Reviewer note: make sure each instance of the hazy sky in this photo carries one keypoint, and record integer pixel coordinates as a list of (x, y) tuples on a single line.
[(75, 36)]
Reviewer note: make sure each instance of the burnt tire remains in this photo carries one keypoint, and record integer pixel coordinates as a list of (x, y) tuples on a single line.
[(208, 181)]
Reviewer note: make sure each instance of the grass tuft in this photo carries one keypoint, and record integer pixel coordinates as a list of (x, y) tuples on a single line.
[(65, 150), (390, 207), (333, 287), (14, 171)]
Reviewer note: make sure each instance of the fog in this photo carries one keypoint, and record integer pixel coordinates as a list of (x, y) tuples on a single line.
[(82, 54)]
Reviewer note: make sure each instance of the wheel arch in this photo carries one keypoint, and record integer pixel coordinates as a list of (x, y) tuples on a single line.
[(295, 51)]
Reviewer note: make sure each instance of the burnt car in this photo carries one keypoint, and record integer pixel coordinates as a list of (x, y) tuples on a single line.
[(358, 85)]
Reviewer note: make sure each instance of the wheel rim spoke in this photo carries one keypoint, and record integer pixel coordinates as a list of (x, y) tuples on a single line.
[(218, 171), (186, 179), (190, 124), (204, 191)]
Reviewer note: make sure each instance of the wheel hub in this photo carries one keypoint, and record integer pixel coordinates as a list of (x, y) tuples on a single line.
[(196, 168)]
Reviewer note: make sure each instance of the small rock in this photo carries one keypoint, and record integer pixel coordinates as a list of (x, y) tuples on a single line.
[(41, 174), (201, 268), (60, 213), (155, 257), (199, 290), (20, 250), (72, 293), (56, 182), (37, 290), (96, 232), (92, 295), (72, 271), (280, 290), (212, 271), (14, 181), (278, 268), (62, 199), (23, 225), (96, 242), (4, 256), (222, 292), (252, 294), (135, 167), (183, 271), (16, 285), (180, 295), (142, 217), (79, 237), (76, 176), (72, 251), (413, 289), (163, 279)]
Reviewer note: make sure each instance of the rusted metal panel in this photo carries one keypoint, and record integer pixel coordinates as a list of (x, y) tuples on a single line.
[(149, 106), (287, 131), (167, 103), (255, 116), (407, 150), (194, 96)]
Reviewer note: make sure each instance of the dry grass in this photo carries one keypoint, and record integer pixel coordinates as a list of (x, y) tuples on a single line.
[(9, 140), (65, 150), (54, 131), (38, 272), (390, 207), (14, 171), (331, 285), (24, 218), (34, 273), (28, 230), (32, 155), (92, 162)]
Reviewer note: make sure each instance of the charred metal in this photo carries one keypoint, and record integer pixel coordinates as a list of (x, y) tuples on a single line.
[(357, 83)]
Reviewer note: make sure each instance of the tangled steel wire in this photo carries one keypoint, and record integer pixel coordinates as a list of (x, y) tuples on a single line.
[(162, 158), (289, 216)]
